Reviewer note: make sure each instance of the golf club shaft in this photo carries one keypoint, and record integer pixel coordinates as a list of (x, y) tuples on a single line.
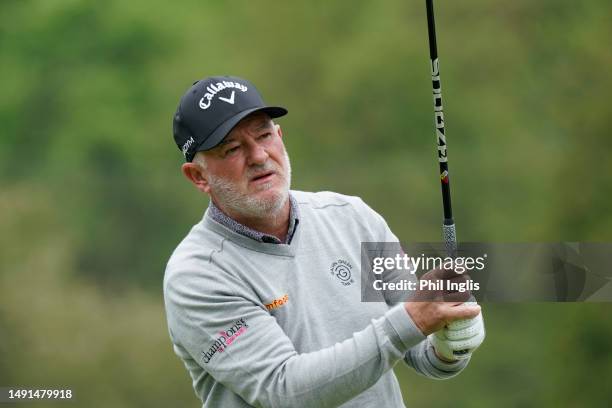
[(448, 226)]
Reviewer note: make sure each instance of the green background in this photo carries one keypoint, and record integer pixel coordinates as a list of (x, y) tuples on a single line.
[(92, 202)]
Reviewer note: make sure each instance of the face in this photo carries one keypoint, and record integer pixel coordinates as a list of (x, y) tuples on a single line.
[(249, 174)]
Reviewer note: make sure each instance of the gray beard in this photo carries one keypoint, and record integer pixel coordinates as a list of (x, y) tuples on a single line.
[(230, 198)]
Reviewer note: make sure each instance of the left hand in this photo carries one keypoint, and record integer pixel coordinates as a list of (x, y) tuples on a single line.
[(461, 335)]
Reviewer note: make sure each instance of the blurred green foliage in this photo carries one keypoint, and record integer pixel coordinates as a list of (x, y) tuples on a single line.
[(92, 202)]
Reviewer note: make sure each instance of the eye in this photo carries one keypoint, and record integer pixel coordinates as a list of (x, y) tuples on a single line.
[(231, 151), (265, 136)]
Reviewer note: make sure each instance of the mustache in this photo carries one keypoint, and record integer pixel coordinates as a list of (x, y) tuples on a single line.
[(260, 168)]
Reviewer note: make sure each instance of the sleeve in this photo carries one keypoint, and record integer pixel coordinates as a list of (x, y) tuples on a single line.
[(422, 357), (241, 345)]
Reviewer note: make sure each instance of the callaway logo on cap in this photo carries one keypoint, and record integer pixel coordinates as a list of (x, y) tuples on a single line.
[(210, 109)]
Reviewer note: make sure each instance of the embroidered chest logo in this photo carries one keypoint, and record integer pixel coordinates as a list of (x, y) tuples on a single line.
[(276, 303), (341, 269), (226, 338)]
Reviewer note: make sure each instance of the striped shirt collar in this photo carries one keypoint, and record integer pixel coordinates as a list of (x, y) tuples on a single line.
[(217, 215)]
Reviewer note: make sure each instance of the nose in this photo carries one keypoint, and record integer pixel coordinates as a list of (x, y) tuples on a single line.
[(257, 154)]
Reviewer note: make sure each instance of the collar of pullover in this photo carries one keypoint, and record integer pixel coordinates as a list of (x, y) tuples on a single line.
[(215, 218)]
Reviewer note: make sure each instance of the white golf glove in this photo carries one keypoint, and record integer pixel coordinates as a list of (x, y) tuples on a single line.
[(458, 339)]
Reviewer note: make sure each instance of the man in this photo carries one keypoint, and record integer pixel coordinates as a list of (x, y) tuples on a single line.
[(261, 296)]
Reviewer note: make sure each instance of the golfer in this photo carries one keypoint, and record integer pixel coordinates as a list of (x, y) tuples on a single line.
[(263, 297)]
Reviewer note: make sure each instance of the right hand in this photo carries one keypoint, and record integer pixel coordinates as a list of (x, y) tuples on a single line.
[(431, 310)]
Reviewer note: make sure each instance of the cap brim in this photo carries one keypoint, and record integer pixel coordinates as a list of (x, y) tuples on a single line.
[(220, 132)]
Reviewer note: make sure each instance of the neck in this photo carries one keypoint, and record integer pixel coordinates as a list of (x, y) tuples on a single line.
[(275, 224)]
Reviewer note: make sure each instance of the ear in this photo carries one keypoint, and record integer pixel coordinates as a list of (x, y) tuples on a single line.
[(279, 130), (197, 175)]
